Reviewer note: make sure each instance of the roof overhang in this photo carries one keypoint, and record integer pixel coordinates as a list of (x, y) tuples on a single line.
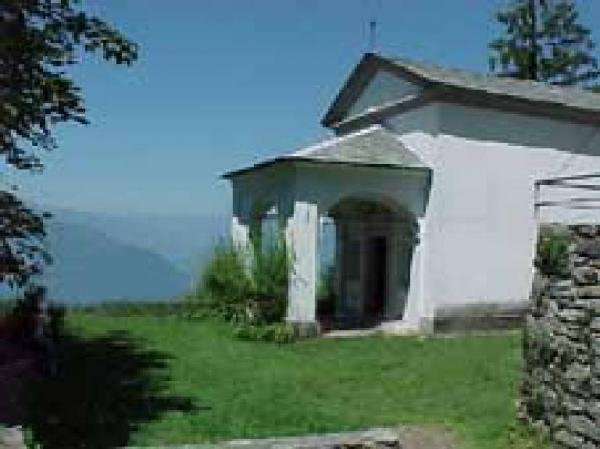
[(283, 160), (372, 147)]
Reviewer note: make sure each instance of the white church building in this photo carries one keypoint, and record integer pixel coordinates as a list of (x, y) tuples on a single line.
[(429, 185)]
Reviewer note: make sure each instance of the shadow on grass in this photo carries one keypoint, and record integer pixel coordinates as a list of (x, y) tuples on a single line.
[(105, 389)]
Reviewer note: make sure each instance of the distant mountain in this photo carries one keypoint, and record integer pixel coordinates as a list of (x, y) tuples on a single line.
[(184, 240), (89, 266), (102, 257)]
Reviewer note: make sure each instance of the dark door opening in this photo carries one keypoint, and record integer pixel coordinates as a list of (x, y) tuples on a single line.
[(376, 277)]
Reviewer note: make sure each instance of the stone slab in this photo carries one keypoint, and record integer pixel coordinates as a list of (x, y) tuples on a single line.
[(11, 438), (403, 437)]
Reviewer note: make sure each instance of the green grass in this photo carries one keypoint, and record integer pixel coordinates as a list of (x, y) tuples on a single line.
[(167, 380)]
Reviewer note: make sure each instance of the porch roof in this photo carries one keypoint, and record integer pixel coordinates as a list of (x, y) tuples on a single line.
[(372, 147)]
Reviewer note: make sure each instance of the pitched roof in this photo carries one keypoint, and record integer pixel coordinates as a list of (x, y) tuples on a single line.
[(372, 147), (530, 90), (429, 75)]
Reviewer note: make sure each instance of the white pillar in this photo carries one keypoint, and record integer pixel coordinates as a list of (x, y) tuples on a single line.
[(240, 234), (301, 236), (419, 311)]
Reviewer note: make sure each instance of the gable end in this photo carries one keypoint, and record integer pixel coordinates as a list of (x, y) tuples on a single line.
[(375, 82)]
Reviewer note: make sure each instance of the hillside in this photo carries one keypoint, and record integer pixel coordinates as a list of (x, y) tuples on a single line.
[(90, 266)]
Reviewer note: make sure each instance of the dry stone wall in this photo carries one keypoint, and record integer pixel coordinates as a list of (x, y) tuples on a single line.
[(561, 388)]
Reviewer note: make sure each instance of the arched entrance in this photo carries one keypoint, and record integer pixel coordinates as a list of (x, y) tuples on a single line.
[(374, 245)]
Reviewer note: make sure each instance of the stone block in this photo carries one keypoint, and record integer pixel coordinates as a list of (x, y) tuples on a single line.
[(595, 388), (588, 248), (576, 406), (12, 438), (585, 275), (589, 291), (585, 230), (567, 440), (574, 316), (582, 425), (595, 348)]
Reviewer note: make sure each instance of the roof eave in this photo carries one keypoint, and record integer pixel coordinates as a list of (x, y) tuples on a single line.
[(306, 160), (264, 164), (447, 93), (539, 108)]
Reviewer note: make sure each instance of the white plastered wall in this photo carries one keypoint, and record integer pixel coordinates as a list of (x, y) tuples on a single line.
[(480, 225)]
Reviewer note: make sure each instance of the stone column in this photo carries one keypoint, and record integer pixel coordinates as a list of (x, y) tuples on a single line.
[(419, 312), (301, 236), (240, 222), (240, 234)]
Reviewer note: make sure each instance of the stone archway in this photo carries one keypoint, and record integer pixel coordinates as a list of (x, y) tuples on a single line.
[(374, 244)]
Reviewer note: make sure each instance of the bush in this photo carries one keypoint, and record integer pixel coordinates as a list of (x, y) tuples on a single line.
[(552, 254), (270, 279), (276, 332), (254, 297), (521, 436), (225, 286), (132, 308)]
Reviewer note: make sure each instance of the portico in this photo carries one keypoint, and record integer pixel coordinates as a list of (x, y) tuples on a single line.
[(375, 191)]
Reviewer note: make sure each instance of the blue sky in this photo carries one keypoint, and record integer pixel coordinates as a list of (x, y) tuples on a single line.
[(223, 83)]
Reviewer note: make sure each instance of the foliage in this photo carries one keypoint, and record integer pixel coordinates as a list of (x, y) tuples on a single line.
[(275, 332), (30, 440), (246, 389), (270, 280), (39, 40), (225, 287), (552, 252), (539, 355), (22, 253), (251, 296), (6, 306), (536, 341), (522, 437), (132, 308), (27, 314), (56, 321), (32, 319), (544, 40)]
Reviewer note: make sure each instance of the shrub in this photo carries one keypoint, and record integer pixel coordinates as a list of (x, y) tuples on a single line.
[(552, 257), (132, 308), (225, 286), (270, 279), (276, 332), (254, 297), (520, 436)]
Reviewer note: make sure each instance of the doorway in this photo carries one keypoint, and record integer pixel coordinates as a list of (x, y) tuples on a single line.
[(376, 278), (371, 265)]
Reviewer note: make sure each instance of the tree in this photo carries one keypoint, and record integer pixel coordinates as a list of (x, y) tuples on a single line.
[(39, 40), (544, 41)]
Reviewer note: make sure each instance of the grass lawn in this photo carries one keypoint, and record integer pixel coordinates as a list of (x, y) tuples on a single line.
[(146, 380)]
